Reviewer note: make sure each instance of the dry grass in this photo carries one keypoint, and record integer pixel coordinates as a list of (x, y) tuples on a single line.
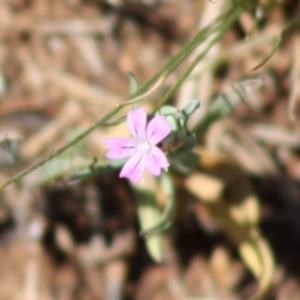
[(63, 65)]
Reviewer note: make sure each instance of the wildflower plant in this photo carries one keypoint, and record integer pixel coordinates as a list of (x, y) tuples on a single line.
[(141, 149), (217, 28), (161, 141), (166, 132)]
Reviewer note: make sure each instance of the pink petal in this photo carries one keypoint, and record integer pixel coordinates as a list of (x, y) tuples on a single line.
[(157, 129), (119, 148), (119, 143), (137, 120), (157, 160), (134, 167)]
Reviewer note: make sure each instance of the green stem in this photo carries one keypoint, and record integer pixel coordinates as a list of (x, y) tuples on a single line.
[(60, 150), (162, 75), (212, 27), (195, 62), (295, 22), (176, 60)]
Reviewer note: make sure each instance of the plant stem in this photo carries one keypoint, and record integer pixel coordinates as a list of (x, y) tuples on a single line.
[(195, 62)]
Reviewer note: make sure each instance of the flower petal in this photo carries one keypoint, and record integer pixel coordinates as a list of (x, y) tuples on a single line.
[(134, 167), (157, 129), (119, 148), (156, 160), (119, 143), (137, 120)]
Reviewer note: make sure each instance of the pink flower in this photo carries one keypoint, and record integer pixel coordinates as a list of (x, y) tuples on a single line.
[(141, 149)]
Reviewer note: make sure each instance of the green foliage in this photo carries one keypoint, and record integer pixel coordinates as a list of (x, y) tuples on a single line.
[(248, 5)]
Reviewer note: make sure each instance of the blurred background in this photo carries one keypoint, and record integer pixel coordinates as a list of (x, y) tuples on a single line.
[(63, 65)]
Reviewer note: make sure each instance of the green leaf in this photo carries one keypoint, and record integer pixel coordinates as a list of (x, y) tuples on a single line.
[(167, 217), (133, 83), (149, 214), (167, 110), (191, 106)]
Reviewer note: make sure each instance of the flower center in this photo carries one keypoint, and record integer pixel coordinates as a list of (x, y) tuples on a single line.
[(144, 146)]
